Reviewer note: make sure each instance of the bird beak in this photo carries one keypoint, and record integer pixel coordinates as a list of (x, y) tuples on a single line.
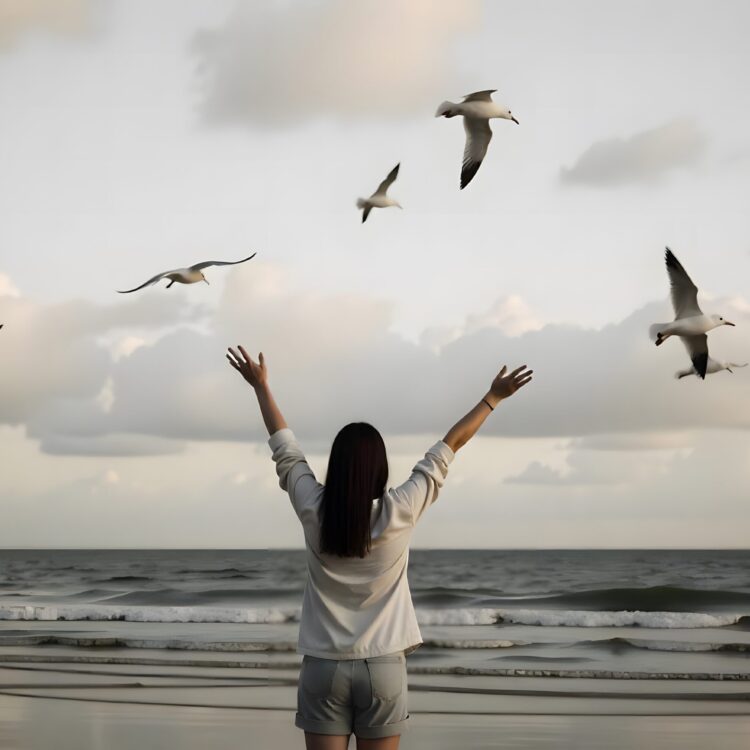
[(729, 369), (514, 120), (726, 322), (206, 280)]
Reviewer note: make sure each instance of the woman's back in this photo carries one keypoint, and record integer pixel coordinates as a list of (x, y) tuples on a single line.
[(355, 607)]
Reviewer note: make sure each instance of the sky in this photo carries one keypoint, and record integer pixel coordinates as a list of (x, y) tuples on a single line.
[(140, 137)]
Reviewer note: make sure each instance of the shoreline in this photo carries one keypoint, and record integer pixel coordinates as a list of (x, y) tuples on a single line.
[(72, 699)]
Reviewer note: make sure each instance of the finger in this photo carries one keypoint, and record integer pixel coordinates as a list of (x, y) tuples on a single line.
[(233, 363), (235, 355), (517, 370), (523, 375), (503, 371), (248, 358), (261, 359), (522, 383)]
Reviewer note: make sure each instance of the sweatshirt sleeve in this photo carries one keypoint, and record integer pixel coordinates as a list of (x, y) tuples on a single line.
[(295, 475), (421, 489)]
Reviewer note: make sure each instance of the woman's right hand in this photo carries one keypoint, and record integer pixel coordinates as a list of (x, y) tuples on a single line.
[(504, 385), (254, 373)]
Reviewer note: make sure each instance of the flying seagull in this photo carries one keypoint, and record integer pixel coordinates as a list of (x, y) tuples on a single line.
[(379, 199), (188, 275), (477, 109), (714, 365), (690, 324)]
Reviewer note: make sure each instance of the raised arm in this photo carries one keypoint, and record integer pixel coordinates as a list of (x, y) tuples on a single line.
[(502, 387), (256, 374)]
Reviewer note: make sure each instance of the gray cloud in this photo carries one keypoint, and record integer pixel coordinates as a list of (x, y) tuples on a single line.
[(537, 473), (53, 355), (333, 359), (61, 16), (274, 64), (641, 158), (638, 441), (587, 466), (108, 445)]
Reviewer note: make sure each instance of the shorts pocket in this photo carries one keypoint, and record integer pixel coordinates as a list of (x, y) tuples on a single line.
[(317, 675), (387, 676)]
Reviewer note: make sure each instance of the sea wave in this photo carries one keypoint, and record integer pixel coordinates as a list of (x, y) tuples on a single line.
[(31, 638), (658, 644), (576, 618), (194, 599), (643, 599), (278, 615), (103, 612)]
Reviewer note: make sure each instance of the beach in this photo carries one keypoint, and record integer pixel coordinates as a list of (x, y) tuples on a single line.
[(120, 649), (67, 697)]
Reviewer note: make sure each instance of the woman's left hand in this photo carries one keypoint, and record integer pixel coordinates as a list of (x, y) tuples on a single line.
[(255, 373)]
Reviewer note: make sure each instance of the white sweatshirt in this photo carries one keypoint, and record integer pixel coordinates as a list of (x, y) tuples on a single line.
[(358, 607)]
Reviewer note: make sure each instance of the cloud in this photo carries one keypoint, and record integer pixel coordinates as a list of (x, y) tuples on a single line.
[(52, 354), (7, 289), (109, 445), (642, 158), (62, 16), (639, 441), (281, 63), (537, 473), (590, 467), (510, 314), (333, 358)]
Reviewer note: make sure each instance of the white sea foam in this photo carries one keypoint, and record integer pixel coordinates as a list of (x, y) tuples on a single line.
[(268, 615), (464, 643), (486, 616), (586, 619), (575, 618), (275, 615)]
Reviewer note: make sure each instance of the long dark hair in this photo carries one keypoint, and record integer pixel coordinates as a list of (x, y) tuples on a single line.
[(357, 473)]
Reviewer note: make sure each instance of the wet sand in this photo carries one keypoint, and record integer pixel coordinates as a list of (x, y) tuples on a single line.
[(129, 699), (41, 723)]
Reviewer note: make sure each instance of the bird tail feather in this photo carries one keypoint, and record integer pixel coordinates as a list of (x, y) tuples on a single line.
[(361, 203), (682, 374), (445, 110), (655, 330)]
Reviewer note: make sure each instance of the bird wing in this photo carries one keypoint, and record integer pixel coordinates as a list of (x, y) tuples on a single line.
[(386, 183), (480, 96), (366, 213), (684, 292), (697, 347), (478, 137), (152, 280), (207, 263)]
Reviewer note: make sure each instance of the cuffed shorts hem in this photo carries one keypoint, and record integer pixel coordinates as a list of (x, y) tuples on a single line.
[(322, 727), (384, 730), (340, 728)]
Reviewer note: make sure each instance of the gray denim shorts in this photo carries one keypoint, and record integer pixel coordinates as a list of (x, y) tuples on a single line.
[(366, 697)]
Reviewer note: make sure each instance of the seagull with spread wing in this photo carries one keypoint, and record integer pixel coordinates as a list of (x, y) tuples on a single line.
[(690, 323), (477, 109), (189, 275), (379, 199)]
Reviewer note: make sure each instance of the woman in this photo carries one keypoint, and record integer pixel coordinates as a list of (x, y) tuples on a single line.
[(358, 621)]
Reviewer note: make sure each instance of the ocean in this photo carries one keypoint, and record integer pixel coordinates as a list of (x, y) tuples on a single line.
[(653, 614)]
